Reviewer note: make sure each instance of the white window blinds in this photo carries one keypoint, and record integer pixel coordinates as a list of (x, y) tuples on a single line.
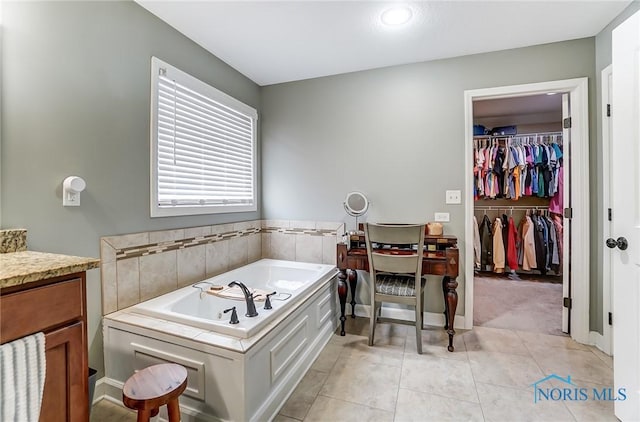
[(204, 147)]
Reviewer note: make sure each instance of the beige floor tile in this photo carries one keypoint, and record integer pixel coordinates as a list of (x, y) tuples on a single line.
[(327, 358), (608, 360), (105, 411), (370, 384), (385, 352), (282, 418), (418, 407), (510, 404), (434, 343), (304, 395), (544, 341), (446, 377), (579, 364), (494, 340), (591, 409), (326, 409), (504, 369)]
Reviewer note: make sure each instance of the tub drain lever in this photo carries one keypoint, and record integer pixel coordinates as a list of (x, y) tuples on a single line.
[(234, 315), (267, 303)]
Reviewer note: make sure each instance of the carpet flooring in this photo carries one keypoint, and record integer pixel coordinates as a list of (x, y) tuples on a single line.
[(527, 305)]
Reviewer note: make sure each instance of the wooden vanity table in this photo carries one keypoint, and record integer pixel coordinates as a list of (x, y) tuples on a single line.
[(441, 257)]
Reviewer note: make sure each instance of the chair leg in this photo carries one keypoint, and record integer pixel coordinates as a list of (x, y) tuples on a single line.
[(422, 311), (419, 329), (372, 322), (173, 408)]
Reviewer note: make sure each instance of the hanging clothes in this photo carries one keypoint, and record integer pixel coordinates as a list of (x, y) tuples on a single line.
[(498, 247), (477, 250), (529, 245), (540, 242), (512, 252), (486, 242)]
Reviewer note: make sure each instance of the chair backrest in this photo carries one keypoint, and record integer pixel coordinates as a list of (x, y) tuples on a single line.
[(408, 260)]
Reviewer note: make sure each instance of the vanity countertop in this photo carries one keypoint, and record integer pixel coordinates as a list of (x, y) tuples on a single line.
[(17, 268)]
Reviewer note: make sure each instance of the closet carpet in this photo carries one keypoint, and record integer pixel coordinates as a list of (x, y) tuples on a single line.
[(522, 305)]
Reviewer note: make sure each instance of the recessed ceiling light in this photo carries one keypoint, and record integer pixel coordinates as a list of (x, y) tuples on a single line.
[(396, 16), (551, 93)]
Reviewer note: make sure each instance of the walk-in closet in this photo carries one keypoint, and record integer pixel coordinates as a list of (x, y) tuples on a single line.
[(519, 164)]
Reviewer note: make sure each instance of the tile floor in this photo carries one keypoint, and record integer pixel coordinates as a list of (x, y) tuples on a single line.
[(488, 377)]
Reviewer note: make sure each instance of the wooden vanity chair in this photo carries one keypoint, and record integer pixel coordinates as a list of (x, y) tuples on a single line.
[(395, 255), (155, 386)]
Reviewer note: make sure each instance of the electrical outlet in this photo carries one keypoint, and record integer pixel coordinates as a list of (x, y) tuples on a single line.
[(442, 217), (453, 197)]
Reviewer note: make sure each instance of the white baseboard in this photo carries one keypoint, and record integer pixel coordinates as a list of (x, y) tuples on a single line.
[(99, 391), (430, 318), (597, 339)]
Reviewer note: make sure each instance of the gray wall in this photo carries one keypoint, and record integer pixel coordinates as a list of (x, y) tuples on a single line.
[(76, 82), (603, 59), (395, 133)]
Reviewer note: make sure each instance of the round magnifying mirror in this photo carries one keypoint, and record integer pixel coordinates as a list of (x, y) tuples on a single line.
[(356, 204)]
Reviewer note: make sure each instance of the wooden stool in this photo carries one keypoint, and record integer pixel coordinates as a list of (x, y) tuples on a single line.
[(155, 386)]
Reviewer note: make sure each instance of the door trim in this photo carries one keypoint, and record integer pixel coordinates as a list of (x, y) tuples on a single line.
[(606, 204), (579, 168)]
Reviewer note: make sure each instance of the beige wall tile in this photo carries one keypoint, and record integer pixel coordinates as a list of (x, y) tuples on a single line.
[(158, 274), (303, 224), (238, 252), (328, 225), (197, 232), (283, 246), (108, 274), (276, 223), (128, 275), (107, 252), (243, 225), (266, 245), (254, 250), (128, 240), (217, 258), (221, 228), (309, 248), (166, 236), (329, 250), (191, 265)]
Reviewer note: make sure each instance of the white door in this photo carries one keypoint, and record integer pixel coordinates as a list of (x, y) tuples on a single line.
[(625, 261), (566, 200)]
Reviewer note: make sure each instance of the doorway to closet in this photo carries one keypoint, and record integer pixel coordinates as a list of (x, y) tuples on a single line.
[(518, 168), (574, 210)]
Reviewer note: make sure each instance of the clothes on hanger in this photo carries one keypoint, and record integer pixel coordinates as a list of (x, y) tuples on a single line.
[(517, 166), (535, 243)]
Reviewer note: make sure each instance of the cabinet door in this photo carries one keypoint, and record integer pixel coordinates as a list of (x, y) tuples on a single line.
[(66, 385)]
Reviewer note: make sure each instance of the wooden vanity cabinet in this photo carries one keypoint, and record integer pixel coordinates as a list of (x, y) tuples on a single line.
[(57, 307)]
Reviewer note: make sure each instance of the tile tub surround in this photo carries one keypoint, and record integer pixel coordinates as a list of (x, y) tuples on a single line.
[(18, 268), (141, 266), (13, 240)]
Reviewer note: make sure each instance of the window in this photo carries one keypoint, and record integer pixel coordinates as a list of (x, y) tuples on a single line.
[(203, 147)]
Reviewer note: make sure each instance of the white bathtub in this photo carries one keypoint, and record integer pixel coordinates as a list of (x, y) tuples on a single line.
[(188, 306), (236, 372)]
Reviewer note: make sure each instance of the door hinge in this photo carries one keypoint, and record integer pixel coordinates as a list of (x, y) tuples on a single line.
[(566, 123), (568, 213), (609, 214), (566, 302), (610, 318), (608, 110)]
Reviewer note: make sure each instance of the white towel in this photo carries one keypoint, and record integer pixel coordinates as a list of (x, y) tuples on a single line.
[(22, 374)]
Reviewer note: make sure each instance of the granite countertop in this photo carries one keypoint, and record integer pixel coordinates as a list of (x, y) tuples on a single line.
[(17, 268)]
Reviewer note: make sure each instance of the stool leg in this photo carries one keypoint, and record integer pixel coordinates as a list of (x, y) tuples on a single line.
[(144, 415), (174, 410)]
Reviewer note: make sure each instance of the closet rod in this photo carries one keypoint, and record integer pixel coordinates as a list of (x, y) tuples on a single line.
[(510, 207), (519, 134)]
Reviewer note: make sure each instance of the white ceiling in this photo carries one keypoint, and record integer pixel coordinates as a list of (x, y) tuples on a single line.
[(280, 41), (532, 104)]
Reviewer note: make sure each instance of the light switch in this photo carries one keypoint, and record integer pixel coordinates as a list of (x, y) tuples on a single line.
[(453, 197), (442, 217)]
